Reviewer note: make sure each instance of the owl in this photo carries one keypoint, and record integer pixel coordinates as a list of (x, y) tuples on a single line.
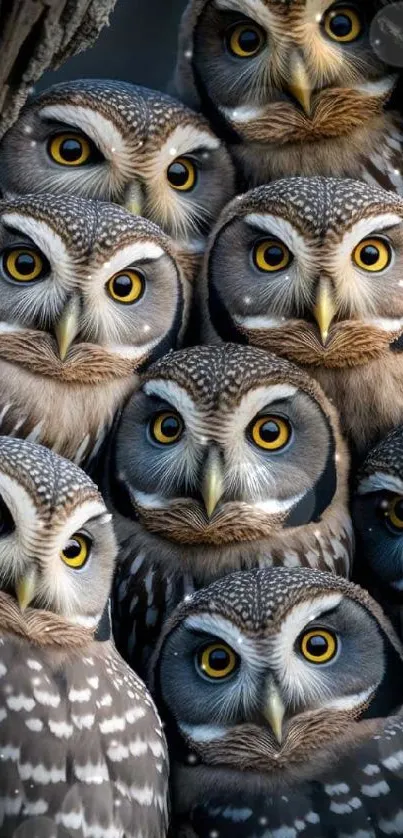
[(89, 295), (281, 691), (378, 521), (114, 141), (225, 458), (295, 88), (311, 269), (81, 745)]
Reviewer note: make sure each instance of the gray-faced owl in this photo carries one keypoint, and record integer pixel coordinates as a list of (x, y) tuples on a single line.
[(378, 520), (114, 141), (281, 695), (81, 745), (225, 458), (295, 88), (89, 295), (311, 268)]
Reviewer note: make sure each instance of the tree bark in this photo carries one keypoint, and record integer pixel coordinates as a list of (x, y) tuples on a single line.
[(37, 35)]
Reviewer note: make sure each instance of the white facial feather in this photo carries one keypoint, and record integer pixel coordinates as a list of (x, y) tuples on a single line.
[(380, 482), (97, 127), (296, 678)]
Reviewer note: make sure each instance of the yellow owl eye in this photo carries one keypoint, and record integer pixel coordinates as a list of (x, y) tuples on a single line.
[(216, 661), (166, 428), (24, 264), (318, 645), (343, 24), (270, 432), (126, 286), (70, 149), (244, 40), (271, 255), (76, 551), (182, 174), (394, 512), (372, 255)]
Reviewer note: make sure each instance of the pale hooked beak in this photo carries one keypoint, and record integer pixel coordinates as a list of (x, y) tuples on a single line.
[(299, 85), (325, 308), (67, 328), (212, 487), (134, 199), (274, 711), (25, 589)]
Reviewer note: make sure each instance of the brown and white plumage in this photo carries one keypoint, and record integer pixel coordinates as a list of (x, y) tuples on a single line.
[(273, 728), (136, 147), (285, 271), (296, 88), (70, 346), (81, 746), (212, 499)]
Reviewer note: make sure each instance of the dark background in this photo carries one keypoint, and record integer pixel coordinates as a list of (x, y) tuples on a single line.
[(139, 46)]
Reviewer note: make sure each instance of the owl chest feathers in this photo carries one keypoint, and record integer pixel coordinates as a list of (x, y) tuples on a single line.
[(70, 417), (371, 152)]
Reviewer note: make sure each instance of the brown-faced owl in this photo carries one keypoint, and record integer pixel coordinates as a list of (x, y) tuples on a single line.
[(89, 295), (281, 695), (81, 746), (225, 458), (296, 88), (311, 268), (114, 141)]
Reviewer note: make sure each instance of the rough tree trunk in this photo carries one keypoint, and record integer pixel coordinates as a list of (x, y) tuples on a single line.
[(37, 35)]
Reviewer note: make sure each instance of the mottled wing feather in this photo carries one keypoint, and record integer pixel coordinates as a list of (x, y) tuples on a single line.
[(361, 797), (80, 745), (144, 594)]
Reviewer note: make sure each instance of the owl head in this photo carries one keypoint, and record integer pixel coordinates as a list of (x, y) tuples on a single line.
[(309, 268), (225, 448), (276, 77), (378, 515), (261, 670), (80, 277), (113, 141), (57, 546)]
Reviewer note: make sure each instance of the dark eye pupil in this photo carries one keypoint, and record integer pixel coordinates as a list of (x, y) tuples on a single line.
[(218, 660), (178, 174), (369, 255), (317, 645), (25, 264), (274, 255), (71, 150), (72, 549), (249, 40), (122, 285), (270, 431), (398, 509), (170, 427), (341, 25)]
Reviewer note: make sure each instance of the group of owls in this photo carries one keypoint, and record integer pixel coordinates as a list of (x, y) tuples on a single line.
[(201, 312)]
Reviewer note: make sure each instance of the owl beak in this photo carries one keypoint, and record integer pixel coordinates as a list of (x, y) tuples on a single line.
[(67, 328), (212, 487), (25, 589), (324, 309), (133, 200), (274, 711), (299, 85)]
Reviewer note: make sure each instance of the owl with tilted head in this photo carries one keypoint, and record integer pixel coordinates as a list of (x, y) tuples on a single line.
[(89, 295), (81, 745), (114, 141), (303, 87), (311, 269), (281, 694), (225, 458), (377, 512)]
